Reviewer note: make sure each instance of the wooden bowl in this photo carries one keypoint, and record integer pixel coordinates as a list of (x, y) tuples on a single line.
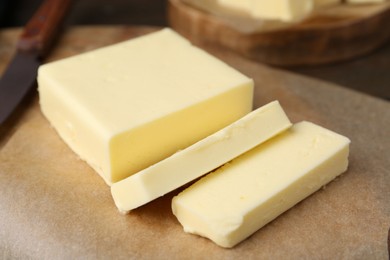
[(329, 35)]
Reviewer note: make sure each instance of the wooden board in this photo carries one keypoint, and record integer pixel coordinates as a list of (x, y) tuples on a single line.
[(331, 34), (54, 206)]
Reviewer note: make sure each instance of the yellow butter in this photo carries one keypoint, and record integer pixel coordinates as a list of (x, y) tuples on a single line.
[(239, 198), (282, 10), (127, 106), (200, 158), (242, 5)]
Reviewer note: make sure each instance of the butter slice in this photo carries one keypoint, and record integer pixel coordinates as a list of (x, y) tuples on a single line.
[(200, 158), (239, 198), (127, 106)]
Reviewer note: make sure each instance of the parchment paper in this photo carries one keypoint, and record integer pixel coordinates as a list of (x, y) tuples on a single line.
[(53, 206)]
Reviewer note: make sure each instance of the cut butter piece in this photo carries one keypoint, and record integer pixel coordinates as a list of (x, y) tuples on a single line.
[(200, 158), (127, 106), (239, 198)]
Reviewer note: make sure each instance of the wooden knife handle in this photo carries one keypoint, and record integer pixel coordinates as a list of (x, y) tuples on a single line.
[(41, 29)]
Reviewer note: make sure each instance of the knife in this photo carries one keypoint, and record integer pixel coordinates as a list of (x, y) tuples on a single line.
[(33, 45)]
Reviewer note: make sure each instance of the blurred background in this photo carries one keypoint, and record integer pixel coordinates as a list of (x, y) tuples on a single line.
[(369, 74), (135, 12)]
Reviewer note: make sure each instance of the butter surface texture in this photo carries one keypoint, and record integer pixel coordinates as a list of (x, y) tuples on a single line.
[(239, 198), (127, 106), (200, 158)]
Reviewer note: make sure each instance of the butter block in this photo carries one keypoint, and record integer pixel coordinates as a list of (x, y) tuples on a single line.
[(200, 158), (281, 10), (127, 106), (284, 10), (242, 196)]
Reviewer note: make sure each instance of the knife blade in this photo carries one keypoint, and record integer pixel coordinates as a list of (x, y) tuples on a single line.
[(33, 45)]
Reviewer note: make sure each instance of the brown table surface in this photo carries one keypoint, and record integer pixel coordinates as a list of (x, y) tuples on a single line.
[(369, 74)]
